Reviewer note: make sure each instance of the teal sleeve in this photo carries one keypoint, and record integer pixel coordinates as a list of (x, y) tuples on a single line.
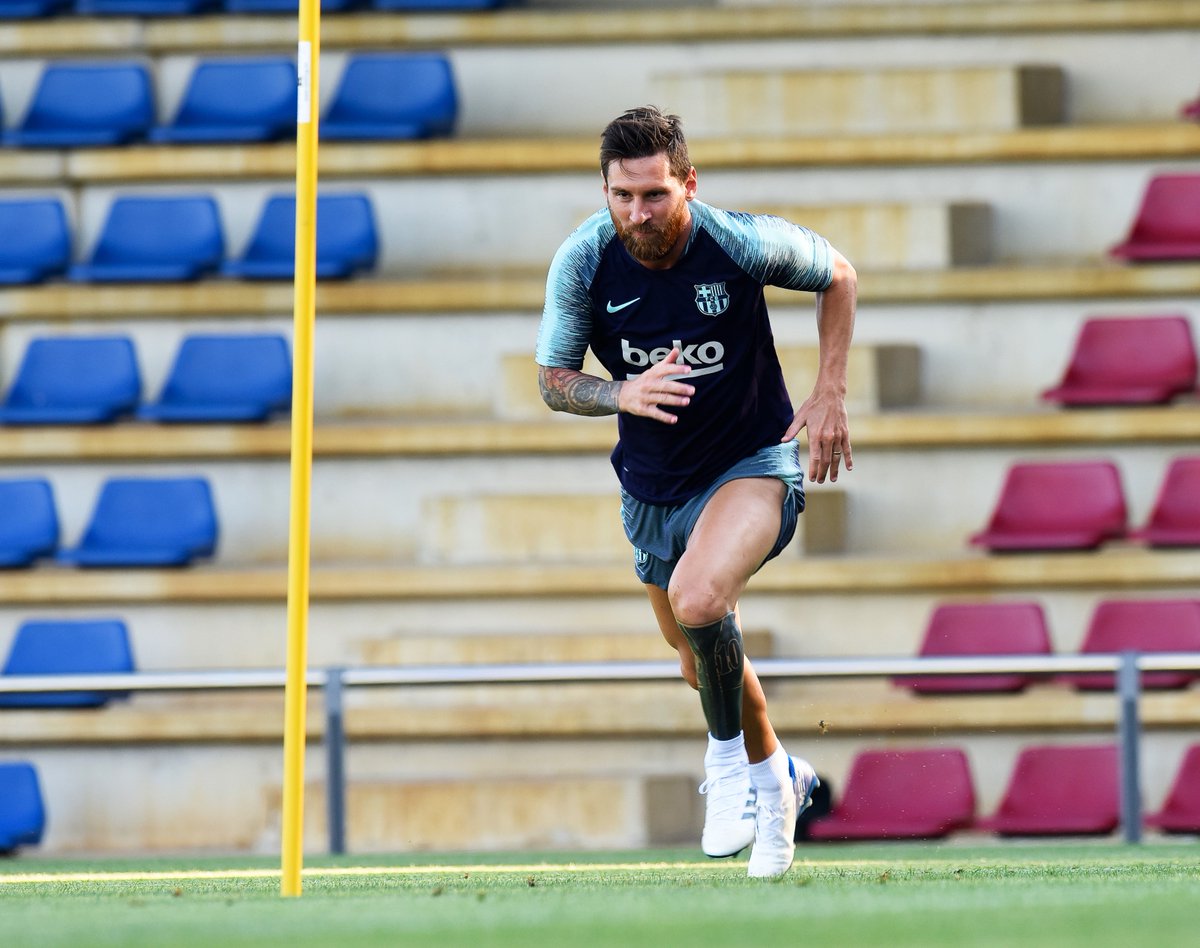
[(772, 250), (566, 325)]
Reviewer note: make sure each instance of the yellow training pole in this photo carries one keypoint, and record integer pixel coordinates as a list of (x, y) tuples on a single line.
[(299, 527)]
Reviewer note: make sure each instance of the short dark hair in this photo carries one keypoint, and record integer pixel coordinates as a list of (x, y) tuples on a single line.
[(642, 133)]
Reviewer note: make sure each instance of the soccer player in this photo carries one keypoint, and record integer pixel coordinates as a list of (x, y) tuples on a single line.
[(668, 293)]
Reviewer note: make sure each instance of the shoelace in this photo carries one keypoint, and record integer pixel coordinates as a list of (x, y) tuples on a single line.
[(727, 803), (765, 833)]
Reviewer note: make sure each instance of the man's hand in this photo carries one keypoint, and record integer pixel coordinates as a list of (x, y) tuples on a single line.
[(659, 385), (824, 415), (578, 393), (824, 411)]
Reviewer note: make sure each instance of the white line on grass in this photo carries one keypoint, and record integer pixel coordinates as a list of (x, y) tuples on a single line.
[(316, 873)]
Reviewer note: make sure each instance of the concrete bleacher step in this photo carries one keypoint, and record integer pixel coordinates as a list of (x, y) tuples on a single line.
[(778, 103), (482, 648), (574, 528), (536, 27), (1117, 568), (522, 293), (590, 712), (30, 167), (514, 813), (879, 376), (927, 235), (798, 708), (444, 437), (537, 155), (918, 235)]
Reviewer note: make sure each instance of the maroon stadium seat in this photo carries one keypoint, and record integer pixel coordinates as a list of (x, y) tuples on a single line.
[(1180, 812), (1060, 791), (980, 628), (1175, 517), (1142, 625), (901, 794), (1167, 226), (1145, 360), (1071, 505)]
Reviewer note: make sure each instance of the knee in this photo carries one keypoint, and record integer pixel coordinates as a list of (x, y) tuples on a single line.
[(698, 604)]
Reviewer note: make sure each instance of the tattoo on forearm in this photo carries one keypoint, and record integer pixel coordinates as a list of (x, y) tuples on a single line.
[(577, 393)]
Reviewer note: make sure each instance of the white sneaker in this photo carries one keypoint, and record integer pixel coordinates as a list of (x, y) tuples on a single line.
[(775, 825), (729, 811)]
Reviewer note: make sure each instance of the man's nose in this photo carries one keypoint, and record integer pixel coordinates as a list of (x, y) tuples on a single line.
[(639, 212)]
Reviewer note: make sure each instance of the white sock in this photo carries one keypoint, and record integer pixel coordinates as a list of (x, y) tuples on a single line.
[(730, 753), (773, 775)]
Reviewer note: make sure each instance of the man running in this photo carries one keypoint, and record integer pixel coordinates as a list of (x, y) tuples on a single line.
[(668, 294)]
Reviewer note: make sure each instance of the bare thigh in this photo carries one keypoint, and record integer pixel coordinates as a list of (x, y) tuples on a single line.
[(733, 535), (736, 531)]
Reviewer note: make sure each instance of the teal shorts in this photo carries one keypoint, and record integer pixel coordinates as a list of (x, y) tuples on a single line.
[(660, 534)]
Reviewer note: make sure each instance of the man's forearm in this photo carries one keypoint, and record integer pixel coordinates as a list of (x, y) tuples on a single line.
[(577, 392), (835, 326)]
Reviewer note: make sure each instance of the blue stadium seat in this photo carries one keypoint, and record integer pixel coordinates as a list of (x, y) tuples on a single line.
[(156, 239), (148, 521), (73, 381), (68, 647), (29, 528), (79, 105), (235, 100), (35, 240), (30, 9), (346, 239), (145, 7), (225, 379), (393, 95), (22, 812)]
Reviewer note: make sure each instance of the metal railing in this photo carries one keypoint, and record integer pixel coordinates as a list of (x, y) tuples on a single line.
[(333, 681)]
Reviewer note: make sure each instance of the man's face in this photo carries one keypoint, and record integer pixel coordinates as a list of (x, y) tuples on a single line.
[(649, 208)]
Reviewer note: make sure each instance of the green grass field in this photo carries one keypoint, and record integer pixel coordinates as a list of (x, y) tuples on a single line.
[(929, 895)]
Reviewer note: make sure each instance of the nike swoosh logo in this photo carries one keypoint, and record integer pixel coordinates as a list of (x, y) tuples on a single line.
[(617, 309)]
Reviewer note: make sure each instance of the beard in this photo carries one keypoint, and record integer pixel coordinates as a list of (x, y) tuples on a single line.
[(650, 242)]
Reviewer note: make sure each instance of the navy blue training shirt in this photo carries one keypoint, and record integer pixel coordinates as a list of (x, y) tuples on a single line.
[(709, 305)]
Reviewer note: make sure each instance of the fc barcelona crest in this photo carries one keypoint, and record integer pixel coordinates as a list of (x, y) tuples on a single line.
[(711, 298)]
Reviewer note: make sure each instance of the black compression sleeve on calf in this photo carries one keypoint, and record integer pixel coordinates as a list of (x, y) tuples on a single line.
[(720, 663)]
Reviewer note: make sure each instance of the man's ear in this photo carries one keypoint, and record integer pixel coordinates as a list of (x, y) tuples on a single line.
[(690, 184)]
